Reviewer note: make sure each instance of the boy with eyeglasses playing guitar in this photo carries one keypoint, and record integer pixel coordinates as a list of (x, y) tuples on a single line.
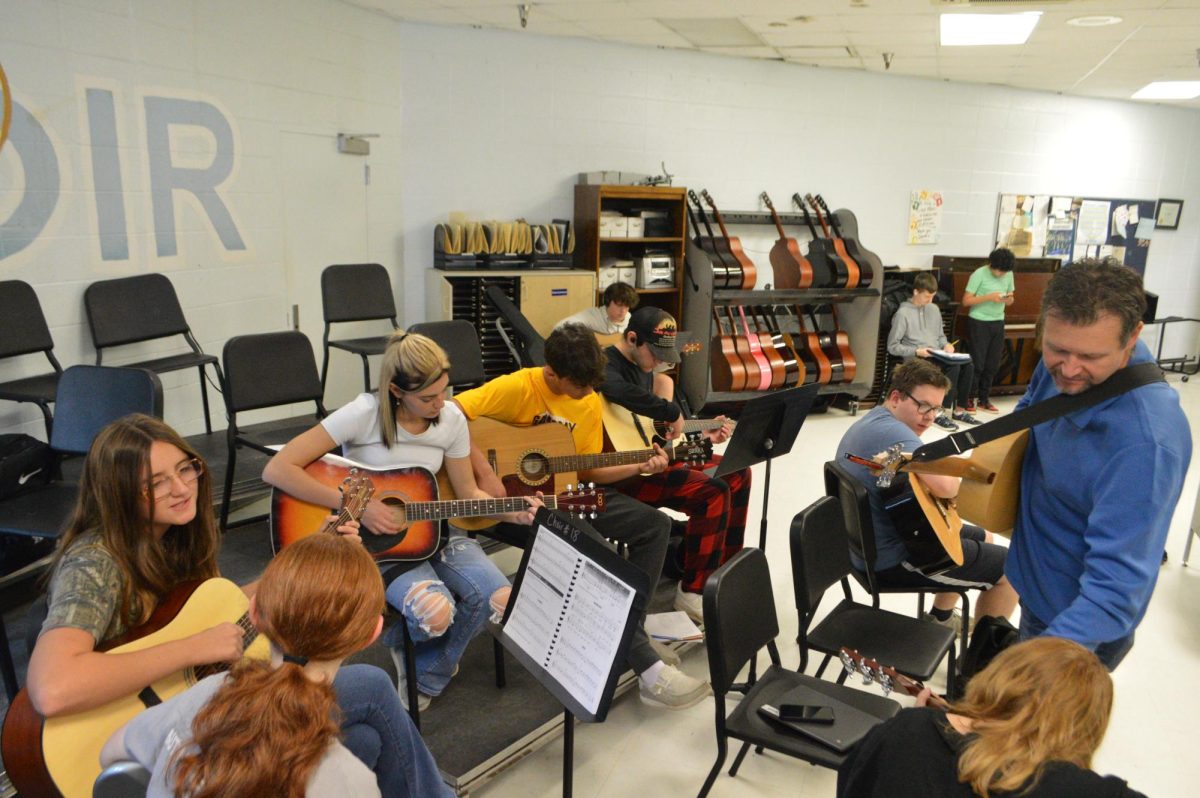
[(915, 399)]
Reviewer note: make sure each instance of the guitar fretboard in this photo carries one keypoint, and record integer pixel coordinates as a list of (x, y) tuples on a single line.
[(584, 462), (249, 633), (467, 508)]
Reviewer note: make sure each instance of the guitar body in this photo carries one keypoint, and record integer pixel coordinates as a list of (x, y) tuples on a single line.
[(778, 366), (622, 432), (789, 267), (742, 346), (60, 756), (994, 506), (839, 274), (293, 519), (850, 248), (520, 455), (817, 365), (727, 371), (929, 527), (854, 276), (749, 272), (766, 371)]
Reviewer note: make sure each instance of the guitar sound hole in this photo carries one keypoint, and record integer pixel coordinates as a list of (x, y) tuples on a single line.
[(377, 543), (535, 468)]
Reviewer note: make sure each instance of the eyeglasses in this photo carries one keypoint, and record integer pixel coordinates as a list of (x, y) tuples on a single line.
[(187, 472), (924, 408)]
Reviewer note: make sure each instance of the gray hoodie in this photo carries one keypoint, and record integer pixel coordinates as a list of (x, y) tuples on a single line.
[(914, 327)]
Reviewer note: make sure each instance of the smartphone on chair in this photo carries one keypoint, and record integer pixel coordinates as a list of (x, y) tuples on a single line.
[(806, 713)]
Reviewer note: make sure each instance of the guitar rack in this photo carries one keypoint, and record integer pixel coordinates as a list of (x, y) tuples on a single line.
[(858, 313)]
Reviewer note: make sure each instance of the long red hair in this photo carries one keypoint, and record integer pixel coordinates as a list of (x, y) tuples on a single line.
[(265, 731)]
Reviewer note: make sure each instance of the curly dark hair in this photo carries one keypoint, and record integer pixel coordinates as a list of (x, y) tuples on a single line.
[(1002, 260), (912, 374), (574, 353), (621, 293), (1081, 292)]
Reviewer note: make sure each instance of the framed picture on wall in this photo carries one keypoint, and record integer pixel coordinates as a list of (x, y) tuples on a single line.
[(1166, 217)]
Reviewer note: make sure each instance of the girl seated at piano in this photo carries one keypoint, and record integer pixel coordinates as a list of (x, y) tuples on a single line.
[(447, 599), (271, 727), (142, 525)]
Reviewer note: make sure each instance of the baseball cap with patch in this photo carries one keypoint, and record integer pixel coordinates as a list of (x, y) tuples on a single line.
[(657, 329)]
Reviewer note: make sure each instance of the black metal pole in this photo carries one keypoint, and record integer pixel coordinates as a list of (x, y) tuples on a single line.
[(568, 751)]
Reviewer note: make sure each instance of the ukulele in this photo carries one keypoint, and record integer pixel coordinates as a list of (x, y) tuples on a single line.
[(742, 345), (887, 678), (413, 495), (791, 269), (726, 367), (836, 346), (829, 269), (796, 373), (777, 360), (853, 274), (812, 353), (766, 371), (747, 267), (853, 250), (725, 274)]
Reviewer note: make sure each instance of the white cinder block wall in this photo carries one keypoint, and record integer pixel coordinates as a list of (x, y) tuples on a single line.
[(495, 124)]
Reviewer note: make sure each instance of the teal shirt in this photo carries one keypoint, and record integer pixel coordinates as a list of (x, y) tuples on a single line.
[(982, 282)]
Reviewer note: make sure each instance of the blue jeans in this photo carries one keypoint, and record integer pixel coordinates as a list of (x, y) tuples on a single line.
[(1110, 654), (377, 730), (464, 575)]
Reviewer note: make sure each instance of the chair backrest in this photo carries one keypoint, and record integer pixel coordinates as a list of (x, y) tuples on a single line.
[(90, 397), (131, 309), (461, 342), (357, 292), (820, 556), (856, 514), (23, 327), (739, 615), (270, 369), (533, 346), (122, 780)]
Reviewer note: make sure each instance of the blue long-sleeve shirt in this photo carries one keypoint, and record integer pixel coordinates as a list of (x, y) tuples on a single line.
[(1098, 489)]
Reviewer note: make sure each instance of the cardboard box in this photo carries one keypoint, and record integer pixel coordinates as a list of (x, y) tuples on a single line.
[(614, 226), (635, 227)]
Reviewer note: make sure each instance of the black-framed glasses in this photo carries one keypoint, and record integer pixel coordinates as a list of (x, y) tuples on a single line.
[(924, 408), (186, 472)]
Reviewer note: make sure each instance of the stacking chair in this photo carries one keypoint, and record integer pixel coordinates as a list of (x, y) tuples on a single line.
[(23, 331), (356, 292), (123, 779), (266, 370), (145, 307), (89, 397), (820, 559), (860, 531), (461, 342), (739, 620), (526, 344)]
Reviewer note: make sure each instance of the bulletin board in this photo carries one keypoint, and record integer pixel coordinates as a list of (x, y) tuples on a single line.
[(1070, 228)]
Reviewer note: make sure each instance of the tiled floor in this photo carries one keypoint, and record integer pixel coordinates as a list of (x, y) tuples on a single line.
[(640, 750)]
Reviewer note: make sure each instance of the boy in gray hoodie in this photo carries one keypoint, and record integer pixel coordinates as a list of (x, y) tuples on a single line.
[(917, 332)]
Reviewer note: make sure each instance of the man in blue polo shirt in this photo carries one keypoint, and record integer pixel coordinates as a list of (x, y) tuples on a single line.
[(1099, 486)]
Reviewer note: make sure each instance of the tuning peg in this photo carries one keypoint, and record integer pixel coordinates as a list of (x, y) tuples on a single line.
[(570, 487), (593, 515), (591, 486)]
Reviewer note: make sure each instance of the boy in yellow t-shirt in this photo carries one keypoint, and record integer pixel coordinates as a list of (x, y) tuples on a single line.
[(563, 391)]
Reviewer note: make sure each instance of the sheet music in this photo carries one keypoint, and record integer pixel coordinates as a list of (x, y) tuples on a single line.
[(569, 616)]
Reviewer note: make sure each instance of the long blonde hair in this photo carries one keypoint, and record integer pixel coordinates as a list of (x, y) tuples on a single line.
[(112, 503), (412, 362), (266, 729), (1042, 700)]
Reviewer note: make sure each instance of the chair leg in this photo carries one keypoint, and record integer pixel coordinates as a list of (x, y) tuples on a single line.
[(966, 627), (722, 752), (410, 674), (366, 374), (737, 761), (920, 605), (824, 665), (204, 401), (49, 418), (229, 468), (498, 655), (324, 368), (11, 686)]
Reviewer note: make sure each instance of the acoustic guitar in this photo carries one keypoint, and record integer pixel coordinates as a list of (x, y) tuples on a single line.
[(742, 345), (770, 372), (813, 354), (854, 276), (60, 756), (744, 264), (793, 372), (829, 269), (727, 371), (804, 362), (529, 459), (726, 272), (867, 273), (790, 268), (839, 342), (413, 494), (628, 430), (887, 678)]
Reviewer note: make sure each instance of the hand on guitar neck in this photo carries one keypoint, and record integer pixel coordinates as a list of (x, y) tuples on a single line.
[(889, 679)]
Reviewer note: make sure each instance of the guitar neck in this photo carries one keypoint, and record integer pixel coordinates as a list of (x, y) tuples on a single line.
[(470, 508), (586, 462), (249, 633)]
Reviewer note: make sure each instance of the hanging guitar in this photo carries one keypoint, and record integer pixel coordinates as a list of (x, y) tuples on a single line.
[(887, 678), (850, 245), (811, 353), (727, 371), (789, 267), (742, 345), (793, 371), (836, 344), (726, 273), (853, 275), (749, 272), (829, 270), (770, 370), (804, 361)]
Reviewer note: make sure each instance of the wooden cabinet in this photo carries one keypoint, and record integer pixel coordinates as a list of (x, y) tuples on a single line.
[(592, 249)]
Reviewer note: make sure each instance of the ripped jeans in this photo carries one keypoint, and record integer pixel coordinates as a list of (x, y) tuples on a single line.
[(460, 574)]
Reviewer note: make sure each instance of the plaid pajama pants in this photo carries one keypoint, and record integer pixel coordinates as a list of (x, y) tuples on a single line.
[(716, 511)]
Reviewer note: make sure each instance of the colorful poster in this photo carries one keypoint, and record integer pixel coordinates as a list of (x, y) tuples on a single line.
[(924, 217)]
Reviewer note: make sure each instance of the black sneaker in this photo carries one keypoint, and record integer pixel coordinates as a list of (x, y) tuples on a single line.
[(966, 417), (945, 423)]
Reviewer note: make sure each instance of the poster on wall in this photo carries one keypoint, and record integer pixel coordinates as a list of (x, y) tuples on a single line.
[(924, 217)]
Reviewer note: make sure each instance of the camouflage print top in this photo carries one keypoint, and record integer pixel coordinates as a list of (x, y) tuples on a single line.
[(85, 591)]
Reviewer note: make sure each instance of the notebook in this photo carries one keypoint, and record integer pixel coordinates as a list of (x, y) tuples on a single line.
[(850, 724)]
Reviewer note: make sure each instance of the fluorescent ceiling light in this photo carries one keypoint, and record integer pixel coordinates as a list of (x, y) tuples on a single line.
[(1169, 90), (961, 30), (1094, 21)]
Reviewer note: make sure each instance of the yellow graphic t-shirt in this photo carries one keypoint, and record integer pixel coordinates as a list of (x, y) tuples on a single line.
[(523, 398)]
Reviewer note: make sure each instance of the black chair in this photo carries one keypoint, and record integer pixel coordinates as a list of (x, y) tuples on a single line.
[(860, 530), (145, 307), (23, 331), (820, 559), (739, 620), (266, 370), (461, 342), (122, 780), (526, 344), (356, 292), (89, 397)]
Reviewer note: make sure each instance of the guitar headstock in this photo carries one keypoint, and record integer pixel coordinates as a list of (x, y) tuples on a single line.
[(693, 449), (357, 490), (582, 500), (887, 463), (766, 201), (886, 677), (691, 348)]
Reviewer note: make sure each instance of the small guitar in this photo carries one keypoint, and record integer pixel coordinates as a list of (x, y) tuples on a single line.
[(805, 375), (835, 344), (749, 272), (768, 372), (742, 345), (887, 678), (725, 365), (60, 756), (726, 272), (412, 493), (812, 353), (854, 276), (829, 269), (853, 250), (790, 267)]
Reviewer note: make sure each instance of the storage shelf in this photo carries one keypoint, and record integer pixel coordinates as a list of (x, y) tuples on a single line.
[(806, 296), (746, 396), (632, 240)]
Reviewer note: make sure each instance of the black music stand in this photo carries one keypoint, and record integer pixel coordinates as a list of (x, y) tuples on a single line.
[(766, 429)]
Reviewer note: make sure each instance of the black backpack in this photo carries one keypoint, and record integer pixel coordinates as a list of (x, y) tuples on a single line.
[(25, 462)]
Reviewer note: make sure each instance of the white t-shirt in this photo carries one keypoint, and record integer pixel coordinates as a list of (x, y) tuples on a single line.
[(355, 427), (596, 319)]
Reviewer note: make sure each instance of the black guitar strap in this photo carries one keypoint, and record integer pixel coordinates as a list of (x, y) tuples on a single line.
[(1120, 382)]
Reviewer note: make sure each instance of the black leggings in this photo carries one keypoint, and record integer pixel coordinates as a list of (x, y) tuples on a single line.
[(987, 344)]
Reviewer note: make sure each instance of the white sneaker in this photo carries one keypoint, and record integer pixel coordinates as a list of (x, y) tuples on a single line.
[(423, 701), (691, 603), (674, 689)]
